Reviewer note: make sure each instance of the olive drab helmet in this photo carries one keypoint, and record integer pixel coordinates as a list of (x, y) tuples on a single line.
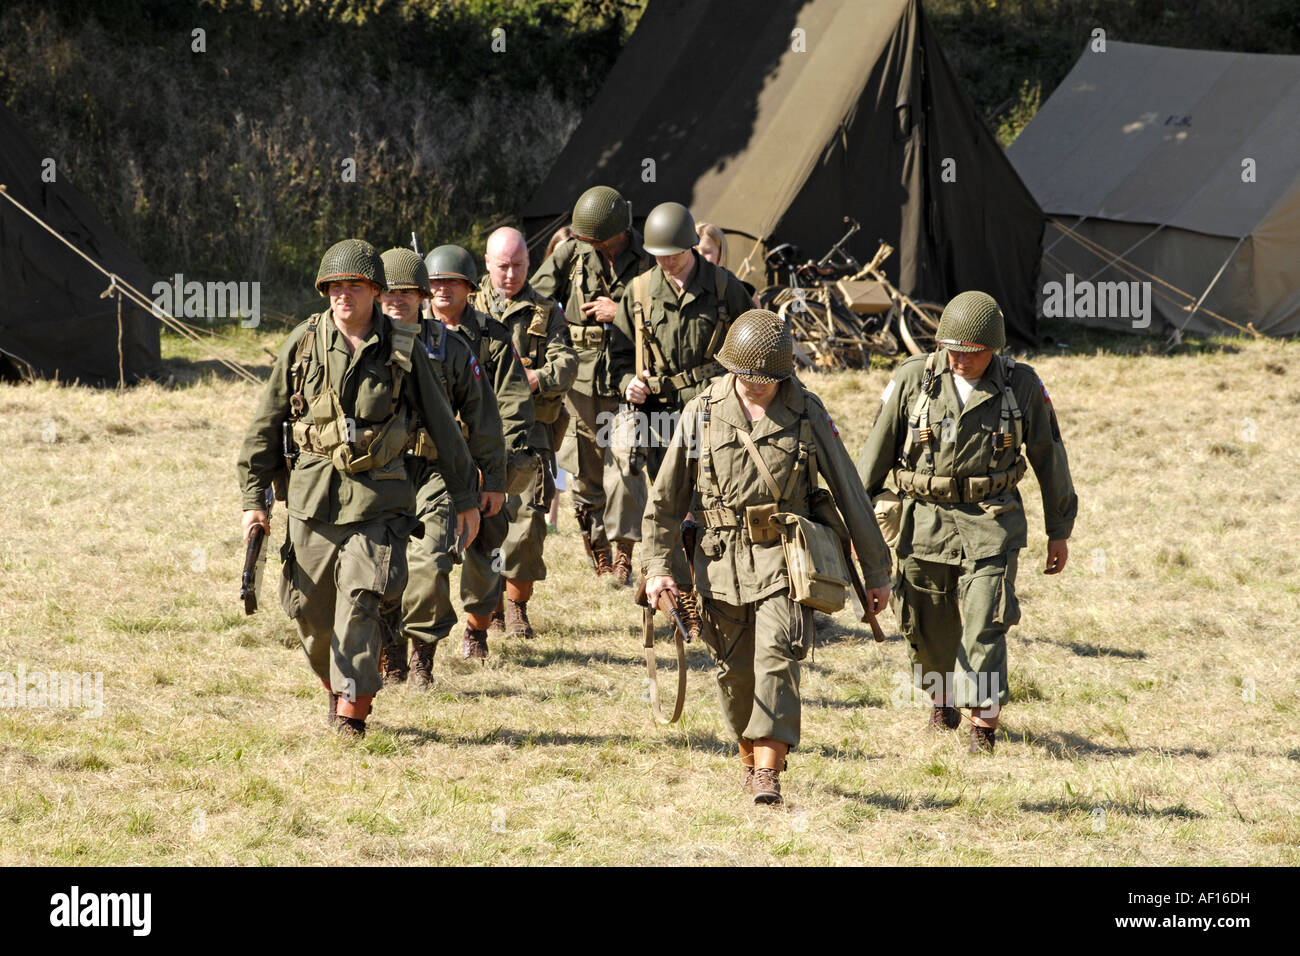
[(405, 270), (758, 348), (669, 229), (350, 259), (451, 262), (971, 322), (601, 214)]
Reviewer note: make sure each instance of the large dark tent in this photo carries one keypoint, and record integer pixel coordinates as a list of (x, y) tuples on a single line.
[(777, 118), (54, 321)]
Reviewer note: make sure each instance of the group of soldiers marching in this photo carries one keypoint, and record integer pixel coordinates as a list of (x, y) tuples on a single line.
[(421, 420)]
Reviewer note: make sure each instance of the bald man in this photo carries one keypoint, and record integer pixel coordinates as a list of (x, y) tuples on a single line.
[(541, 337)]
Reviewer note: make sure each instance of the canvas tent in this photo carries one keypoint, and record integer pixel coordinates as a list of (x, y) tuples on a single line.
[(1180, 168), (54, 321), (776, 118)]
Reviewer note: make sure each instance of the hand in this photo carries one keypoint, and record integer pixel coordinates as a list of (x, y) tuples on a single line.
[(534, 383), (602, 309), (636, 389), (878, 599), (1058, 552), (491, 501), (254, 518), (467, 523), (656, 585)]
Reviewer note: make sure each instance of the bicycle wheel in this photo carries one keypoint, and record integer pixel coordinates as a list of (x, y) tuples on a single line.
[(918, 328)]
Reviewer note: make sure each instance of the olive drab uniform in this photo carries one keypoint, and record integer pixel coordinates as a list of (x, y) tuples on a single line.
[(427, 612), (481, 579), (541, 339), (575, 273), (676, 335), (351, 495), (756, 633), (962, 521)]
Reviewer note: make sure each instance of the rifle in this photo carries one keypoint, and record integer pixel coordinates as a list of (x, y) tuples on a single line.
[(415, 243), (254, 561), (824, 511), (681, 638), (583, 516)]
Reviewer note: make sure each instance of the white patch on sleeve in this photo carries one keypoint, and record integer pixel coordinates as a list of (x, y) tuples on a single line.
[(889, 390)]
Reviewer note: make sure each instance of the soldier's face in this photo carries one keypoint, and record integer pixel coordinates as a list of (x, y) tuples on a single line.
[(678, 266), (758, 393), (969, 364), (509, 271), (352, 300), (401, 305), (450, 295)]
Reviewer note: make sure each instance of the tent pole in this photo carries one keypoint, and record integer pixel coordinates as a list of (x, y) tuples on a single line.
[(1065, 232), (1124, 254), (1177, 337)]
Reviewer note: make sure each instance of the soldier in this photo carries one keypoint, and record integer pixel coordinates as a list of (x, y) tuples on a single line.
[(589, 275), (426, 614), (541, 339), (350, 386), (949, 435), (452, 276), (749, 446), (669, 327)]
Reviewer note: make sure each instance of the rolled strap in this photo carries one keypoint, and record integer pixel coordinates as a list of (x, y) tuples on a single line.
[(652, 671)]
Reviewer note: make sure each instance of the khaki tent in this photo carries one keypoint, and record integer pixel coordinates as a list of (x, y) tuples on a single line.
[(1180, 168), (54, 321), (777, 118)]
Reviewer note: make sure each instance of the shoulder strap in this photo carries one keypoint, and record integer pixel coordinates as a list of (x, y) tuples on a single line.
[(724, 318), (918, 422), (537, 330), (706, 444), (1010, 418), (645, 336), (399, 357), (298, 371)]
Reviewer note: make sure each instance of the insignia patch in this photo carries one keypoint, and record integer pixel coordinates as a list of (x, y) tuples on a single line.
[(1047, 398), (830, 421), (473, 363)]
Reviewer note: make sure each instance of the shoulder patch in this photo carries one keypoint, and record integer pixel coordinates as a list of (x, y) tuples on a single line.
[(473, 364), (830, 421), (1047, 398)]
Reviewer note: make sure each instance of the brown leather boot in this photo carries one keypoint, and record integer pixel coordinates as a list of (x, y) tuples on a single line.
[(981, 739), (474, 647), (421, 664), (688, 607), (392, 663), (351, 728), (334, 709), (498, 623), (944, 718), (517, 624), (767, 786), (623, 564), (352, 714), (603, 567)]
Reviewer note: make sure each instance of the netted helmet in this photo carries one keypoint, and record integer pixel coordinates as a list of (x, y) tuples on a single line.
[(971, 321), (669, 229), (600, 214), (405, 270), (451, 262), (351, 259), (758, 348)]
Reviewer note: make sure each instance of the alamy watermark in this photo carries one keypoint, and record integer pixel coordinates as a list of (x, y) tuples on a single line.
[(208, 301), (927, 688), (53, 689), (1083, 299)]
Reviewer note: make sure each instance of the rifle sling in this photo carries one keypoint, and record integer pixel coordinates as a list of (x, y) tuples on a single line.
[(648, 624)]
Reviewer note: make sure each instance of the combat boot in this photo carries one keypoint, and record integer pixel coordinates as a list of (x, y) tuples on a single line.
[(517, 623), (350, 728), (421, 664), (623, 564), (981, 739), (746, 778), (392, 664), (498, 623), (767, 786), (944, 718), (603, 567), (688, 608), (474, 647), (334, 709)]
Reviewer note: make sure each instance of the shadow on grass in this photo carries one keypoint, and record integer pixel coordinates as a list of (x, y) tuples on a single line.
[(697, 658), (890, 801), (1080, 649), (1066, 746), (182, 372), (1065, 807), (709, 743), (830, 632)]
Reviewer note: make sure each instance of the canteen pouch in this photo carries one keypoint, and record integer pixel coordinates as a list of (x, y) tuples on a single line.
[(758, 522), (889, 516), (814, 560)]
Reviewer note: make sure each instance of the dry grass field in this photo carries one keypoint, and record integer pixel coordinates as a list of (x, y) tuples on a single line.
[(1154, 710)]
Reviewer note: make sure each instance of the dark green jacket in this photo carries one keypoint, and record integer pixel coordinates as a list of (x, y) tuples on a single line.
[(489, 340)]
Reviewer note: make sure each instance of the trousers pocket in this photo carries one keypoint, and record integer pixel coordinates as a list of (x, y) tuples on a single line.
[(1007, 606), (291, 595)]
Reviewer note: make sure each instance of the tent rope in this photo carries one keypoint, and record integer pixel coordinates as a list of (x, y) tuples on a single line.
[(746, 267), (121, 366), (134, 294)]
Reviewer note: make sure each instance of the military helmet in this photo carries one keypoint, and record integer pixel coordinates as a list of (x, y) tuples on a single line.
[(405, 270), (600, 214), (451, 262), (759, 348), (350, 259), (669, 229), (970, 322)]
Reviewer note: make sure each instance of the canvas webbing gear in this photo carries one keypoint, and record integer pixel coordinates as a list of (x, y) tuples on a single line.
[(647, 346), (941, 488), (680, 637)]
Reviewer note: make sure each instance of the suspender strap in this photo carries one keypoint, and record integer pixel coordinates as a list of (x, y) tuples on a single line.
[(645, 336), (298, 371), (404, 334)]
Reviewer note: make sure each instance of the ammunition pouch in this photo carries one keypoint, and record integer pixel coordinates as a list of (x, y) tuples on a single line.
[(889, 516), (588, 336), (669, 387), (422, 445), (758, 522), (950, 490), (373, 447), (814, 560)]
